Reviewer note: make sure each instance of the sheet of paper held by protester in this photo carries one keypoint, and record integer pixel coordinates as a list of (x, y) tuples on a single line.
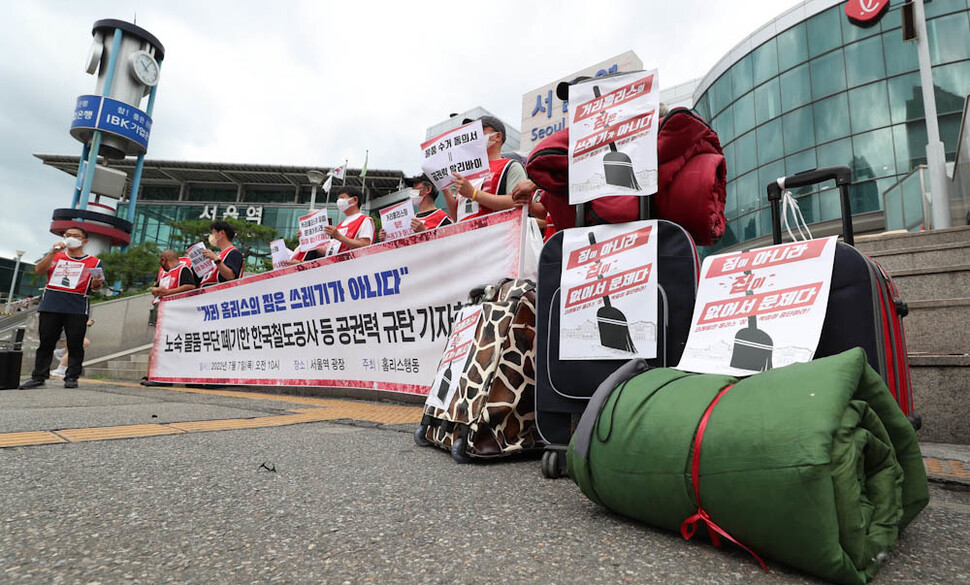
[(462, 151), (376, 317), (613, 136), (200, 264), (760, 309), (453, 361), (608, 305), (312, 234), (396, 220), (279, 253)]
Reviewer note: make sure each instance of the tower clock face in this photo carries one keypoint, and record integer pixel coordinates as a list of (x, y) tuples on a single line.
[(144, 68)]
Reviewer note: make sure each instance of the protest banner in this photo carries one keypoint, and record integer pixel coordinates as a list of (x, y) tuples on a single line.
[(396, 220), (613, 136), (461, 151), (455, 358), (279, 253), (201, 265), (311, 230), (376, 317), (760, 309), (608, 307)]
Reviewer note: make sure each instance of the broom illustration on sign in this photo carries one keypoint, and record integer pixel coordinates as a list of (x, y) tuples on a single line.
[(752, 346), (617, 165), (445, 384), (614, 330)]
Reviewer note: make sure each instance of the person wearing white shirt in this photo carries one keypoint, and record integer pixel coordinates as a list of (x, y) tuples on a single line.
[(356, 230)]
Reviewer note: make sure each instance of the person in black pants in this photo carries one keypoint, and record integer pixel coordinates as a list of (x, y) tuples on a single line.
[(71, 275)]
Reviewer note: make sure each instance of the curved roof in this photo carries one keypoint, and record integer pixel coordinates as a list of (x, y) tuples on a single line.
[(779, 24)]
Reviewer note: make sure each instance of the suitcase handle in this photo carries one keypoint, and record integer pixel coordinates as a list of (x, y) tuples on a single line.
[(646, 209), (842, 177)]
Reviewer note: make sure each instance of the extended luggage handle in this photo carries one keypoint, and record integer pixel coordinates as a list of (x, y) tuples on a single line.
[(842, 177)]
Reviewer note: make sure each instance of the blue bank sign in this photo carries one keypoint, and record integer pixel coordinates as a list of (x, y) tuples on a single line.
[(94, 112), (544, 114)]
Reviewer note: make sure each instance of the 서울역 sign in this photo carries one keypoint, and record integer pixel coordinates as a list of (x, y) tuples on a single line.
[(865, 12), (94, 112)]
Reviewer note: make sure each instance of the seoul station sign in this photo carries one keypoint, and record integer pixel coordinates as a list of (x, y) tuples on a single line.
[(865, 13)]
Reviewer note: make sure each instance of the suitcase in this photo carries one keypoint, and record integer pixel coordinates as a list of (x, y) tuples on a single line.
[(11, 360), (492, 411), (865, 309), (564, 387)]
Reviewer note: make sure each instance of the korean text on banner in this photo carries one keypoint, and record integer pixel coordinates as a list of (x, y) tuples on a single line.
[(461, 151), (613, 136), (455, 358), (280, 253), (608, 307), (760, 309), (311, 230), (200, 264), (396, 220), (376, 317)]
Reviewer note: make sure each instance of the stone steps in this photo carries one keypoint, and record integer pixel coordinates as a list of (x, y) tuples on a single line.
[(941, 391), (934, 283), (939, 255), (938, 326), (899, 241)]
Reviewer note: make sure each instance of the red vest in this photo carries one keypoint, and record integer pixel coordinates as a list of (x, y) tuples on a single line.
[(71, 275), (213, 277), (434, 219), (170, 278), (496, 168), (349, 230)]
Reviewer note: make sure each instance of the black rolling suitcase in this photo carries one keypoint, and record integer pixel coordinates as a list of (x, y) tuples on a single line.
[(564, 387), (864, 309)]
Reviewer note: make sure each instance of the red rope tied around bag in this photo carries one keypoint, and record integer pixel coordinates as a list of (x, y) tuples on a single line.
[(689, 527)]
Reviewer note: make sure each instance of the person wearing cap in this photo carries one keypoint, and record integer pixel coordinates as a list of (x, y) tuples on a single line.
[(428, 217), (356, 230), (504, 173)]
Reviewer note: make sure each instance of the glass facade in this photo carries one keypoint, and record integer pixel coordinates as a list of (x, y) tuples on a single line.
[(825, 92)]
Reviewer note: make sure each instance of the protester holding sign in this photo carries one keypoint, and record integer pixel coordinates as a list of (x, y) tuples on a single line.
[(503, 174), (65, 305), (229, 260), (356, 230), (174, 277), (429, 216)]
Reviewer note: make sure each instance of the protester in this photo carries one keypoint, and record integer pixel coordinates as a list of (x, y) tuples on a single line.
[(429, 216), (528, 193), (65, 306), (493, 195), (356, 230), (229, 260), (174, 277)]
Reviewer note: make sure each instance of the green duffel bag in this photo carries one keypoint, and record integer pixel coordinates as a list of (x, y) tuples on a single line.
[(812, 464)]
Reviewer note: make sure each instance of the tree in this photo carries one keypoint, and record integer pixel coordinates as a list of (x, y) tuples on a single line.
[(135, 268), (249, 236)]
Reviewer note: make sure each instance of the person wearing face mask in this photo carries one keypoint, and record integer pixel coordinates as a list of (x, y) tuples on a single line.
[(65, 305), (174, 276), (229, 260), (428, 217), (503, 174), (356, 230)]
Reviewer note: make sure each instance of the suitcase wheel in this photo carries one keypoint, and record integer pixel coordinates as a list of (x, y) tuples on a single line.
[(915, 420), (552, 462), (421, 436), (459, 450)]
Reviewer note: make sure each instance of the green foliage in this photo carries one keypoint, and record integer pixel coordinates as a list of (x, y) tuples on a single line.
[(136, 267), (249, 236)]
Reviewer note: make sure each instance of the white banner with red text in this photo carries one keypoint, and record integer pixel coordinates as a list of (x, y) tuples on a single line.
[(377, 317), (760, 309)]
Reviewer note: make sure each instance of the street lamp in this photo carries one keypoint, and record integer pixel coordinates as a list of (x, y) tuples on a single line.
[(13, 280), (316, 178)]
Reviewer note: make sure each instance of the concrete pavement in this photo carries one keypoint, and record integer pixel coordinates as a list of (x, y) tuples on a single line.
[(338, 497)]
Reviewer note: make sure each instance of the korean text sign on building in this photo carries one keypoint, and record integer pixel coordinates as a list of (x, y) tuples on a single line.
[(613, 136), (760, 309)]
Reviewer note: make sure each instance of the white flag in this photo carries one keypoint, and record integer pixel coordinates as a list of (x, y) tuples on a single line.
[(326, 184)]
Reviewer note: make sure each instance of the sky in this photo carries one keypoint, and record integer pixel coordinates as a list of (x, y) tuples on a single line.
[(317, 82)]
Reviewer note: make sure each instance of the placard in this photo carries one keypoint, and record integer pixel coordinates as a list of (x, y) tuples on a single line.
[(613, 136), (67, 274), (462, 150), (312, 234), (201, 265), (396, 220), (608, 292), (455, 358), (280, 254), (760, 309)]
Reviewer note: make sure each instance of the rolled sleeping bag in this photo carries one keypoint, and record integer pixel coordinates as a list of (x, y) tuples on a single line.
[(811, 464)]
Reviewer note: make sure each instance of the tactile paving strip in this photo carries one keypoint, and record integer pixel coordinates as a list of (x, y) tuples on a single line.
[(946, 469)]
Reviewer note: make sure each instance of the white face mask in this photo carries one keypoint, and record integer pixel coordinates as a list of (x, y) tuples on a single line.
[(492, 140), (343, 204), (213, 240), (415, 197), (73, 243)]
